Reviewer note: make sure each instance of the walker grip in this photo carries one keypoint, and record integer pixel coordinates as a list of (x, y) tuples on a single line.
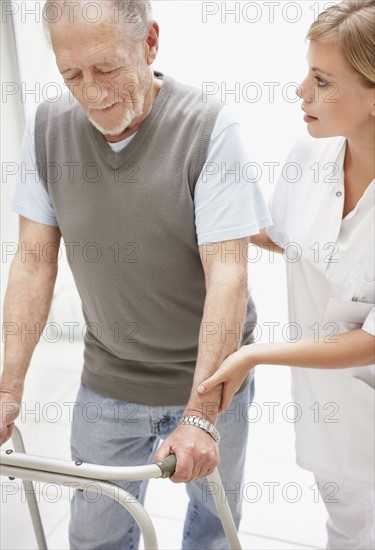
[(167, 466)]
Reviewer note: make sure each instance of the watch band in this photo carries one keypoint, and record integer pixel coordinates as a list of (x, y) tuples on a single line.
[(192, 420)]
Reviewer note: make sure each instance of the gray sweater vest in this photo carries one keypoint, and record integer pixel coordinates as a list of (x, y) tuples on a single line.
[(127, 220)]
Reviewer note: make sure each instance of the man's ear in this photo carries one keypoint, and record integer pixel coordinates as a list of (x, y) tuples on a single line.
[(152, 42)]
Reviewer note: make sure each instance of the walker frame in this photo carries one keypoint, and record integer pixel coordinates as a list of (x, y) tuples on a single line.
[(29, 468)]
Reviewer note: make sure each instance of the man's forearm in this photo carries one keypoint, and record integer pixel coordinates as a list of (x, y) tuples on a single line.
[(220, 335), (27, 303)]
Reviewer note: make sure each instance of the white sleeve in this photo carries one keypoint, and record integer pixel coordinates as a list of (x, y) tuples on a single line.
[(227, 199), (279, 206), (369, 324), (31, 198)]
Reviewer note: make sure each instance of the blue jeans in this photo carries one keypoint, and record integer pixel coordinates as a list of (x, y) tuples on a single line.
[(105, 431)]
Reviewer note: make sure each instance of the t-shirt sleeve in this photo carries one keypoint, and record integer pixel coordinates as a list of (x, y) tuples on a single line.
[(369, 324), (31, 198), (227, 200)]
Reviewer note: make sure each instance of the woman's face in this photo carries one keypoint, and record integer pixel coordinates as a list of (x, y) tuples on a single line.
[(335, 100)]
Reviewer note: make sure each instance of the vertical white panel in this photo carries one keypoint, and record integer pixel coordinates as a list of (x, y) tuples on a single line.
[(12, 123)]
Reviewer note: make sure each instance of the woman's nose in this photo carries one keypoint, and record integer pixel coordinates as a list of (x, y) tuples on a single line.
[(303, 91)]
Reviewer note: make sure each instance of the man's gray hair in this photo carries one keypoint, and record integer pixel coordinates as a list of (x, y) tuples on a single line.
[(136, 14)]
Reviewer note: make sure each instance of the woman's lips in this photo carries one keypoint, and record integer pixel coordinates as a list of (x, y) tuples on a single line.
[(308, 118)]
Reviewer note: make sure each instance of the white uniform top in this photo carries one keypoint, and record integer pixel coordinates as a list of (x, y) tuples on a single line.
[(330, 289), (227, 204)]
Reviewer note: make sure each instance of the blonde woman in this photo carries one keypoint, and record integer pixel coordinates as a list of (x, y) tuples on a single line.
[(329, 214)]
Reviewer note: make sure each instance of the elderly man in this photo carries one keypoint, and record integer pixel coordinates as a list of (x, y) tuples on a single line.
[(143, 169)]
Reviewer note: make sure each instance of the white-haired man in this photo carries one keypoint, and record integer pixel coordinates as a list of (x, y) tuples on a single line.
[(137, 156)]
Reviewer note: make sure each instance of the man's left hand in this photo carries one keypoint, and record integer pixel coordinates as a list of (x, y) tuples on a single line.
[(197, 453)]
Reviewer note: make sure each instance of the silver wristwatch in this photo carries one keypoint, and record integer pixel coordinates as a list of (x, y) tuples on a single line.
[(192, 420)]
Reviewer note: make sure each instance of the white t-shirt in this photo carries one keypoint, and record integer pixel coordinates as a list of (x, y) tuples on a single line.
[(228, 201), (331, 289)]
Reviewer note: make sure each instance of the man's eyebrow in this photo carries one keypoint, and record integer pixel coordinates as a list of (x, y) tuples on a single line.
[(104, 63), (317, 70), (109, 61)]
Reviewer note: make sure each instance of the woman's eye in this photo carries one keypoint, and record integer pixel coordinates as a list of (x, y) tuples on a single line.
[(321, 82)]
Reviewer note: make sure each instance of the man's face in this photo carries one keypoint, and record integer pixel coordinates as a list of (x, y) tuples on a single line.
[(103, 71)]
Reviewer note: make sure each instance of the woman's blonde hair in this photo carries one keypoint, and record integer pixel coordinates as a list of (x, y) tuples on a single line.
[(352, 25)]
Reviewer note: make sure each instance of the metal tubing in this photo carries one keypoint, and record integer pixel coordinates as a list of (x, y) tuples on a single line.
[(30, 496), (119, 495), (224, 511), (81, 475), (81, 469)]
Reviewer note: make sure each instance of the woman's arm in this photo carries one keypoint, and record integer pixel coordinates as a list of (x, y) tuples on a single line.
[(263, 241), (349, 349)]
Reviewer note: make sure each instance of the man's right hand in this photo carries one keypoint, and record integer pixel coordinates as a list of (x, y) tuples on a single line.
[(10, 406)]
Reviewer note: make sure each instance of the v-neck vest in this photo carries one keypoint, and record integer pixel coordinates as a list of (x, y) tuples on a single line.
[(127, 220)]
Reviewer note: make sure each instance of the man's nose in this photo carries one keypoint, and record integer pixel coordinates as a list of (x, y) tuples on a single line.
[(93, 90)]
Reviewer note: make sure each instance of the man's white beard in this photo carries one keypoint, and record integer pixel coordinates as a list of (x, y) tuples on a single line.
[(128, 118)]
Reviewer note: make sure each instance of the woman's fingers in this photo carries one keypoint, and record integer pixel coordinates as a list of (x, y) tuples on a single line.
[(211, 382)]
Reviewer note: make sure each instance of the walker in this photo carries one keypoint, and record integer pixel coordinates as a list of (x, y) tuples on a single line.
[(29, 468)]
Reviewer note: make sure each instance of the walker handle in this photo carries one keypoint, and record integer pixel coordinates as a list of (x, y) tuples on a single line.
[(167, 466)]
